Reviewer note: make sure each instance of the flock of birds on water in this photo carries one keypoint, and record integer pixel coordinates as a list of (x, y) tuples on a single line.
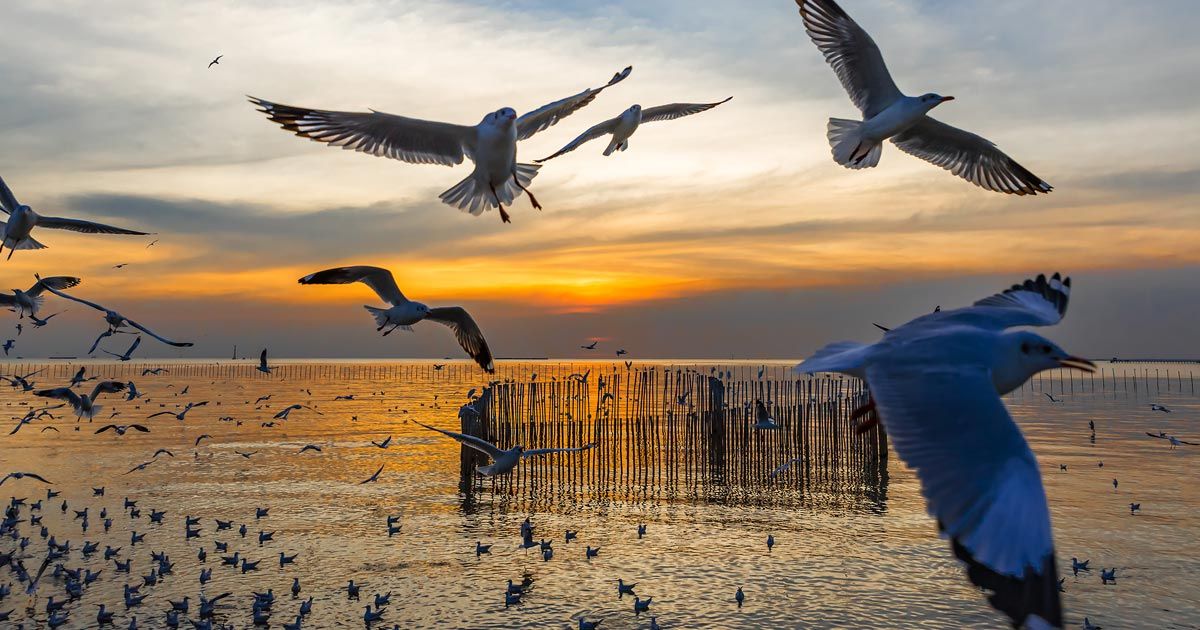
[(934, 382)]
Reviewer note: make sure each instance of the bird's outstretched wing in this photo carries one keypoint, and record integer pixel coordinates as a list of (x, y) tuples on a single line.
[(534, 452), (107, 387), (851, 53), (479, 444), (379, 279), (597, 131), (385, 135), (51, 288), (58, 282), (548, 115), (8, 201), (262, 358), (1034, 302), (88, 227), (105, 428), (969, 156), (177, 344), (467, 332), (161, 413), (982, 485), (677, 110), (60, 393)]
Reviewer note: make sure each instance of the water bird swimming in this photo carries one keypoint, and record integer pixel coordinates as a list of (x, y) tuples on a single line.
[(889, 114), (492, 144), (979, 477), (503, 461), (403, 313)]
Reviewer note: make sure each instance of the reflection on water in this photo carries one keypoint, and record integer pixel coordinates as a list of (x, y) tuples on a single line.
[(692, 471)]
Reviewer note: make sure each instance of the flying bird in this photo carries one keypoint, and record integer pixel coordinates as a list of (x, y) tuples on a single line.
[(216, 61), (935, 383), (21, 475), (8, 345), (283, 415), (182, 414), (889, 114), (503, 461), (30, 300), (122, 428), (84, 404), (590, 346), (492, 144), (262, 363), (404, 313), (22, 219), (373, 478), (116, 320), (137, 341), (623, 126)]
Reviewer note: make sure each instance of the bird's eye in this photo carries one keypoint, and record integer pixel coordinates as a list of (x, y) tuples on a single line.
[(1045, 349), (1024, 348)]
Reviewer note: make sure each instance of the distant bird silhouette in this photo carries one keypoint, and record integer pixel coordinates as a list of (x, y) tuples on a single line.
[(214, 62)]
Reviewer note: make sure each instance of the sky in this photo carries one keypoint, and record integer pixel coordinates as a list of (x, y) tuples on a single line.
[(731, 233)]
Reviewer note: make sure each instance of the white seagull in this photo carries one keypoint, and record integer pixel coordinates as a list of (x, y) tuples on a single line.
[(30, 301), (492, 144), (404, 313), (762, 419), (502, 461), (22, 219), (888, 113), (116, 320), (623, 126), (85, 405), (935, 383)]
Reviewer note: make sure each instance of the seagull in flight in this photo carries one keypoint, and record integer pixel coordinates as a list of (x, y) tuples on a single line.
[(403, 312), (21, 475), (623, 126), (122, 428), (22, 220), (889, 114), (154, 371), (84, 404), (1052, 398), (262, 363), (181, 414), (30, 300), (935, 384), (502, 461), (216, 61), (784, 466), (137, 341), (590, 346), (492, 144), (283, 415), (373, 478), (116, 320), (1158, 407), (1175, 442)]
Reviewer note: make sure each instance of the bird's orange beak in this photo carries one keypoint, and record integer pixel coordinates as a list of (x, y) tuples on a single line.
[(1077, 363)]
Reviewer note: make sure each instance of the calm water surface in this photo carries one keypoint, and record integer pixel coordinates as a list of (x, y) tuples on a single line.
[(845, 556)]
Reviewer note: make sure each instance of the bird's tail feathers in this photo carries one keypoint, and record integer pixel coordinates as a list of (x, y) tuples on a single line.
[(88, 414), (380, 315), (843, 356), (473, 195), (850, 149)]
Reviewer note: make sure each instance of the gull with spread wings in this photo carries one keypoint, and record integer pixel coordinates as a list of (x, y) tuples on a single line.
[(623, 126), (30, 301), (935, 383), (502, 461), (22, 219), (492, 144), (116, 320), (403, 312), (889, 114), (84, 404)]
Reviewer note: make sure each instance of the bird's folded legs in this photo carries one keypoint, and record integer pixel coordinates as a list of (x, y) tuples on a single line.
[(869, 422)]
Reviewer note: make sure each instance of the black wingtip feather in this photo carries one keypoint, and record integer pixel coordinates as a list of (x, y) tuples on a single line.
[(1035, 593)]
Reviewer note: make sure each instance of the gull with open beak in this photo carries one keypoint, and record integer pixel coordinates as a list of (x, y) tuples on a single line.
[(935, 383)]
